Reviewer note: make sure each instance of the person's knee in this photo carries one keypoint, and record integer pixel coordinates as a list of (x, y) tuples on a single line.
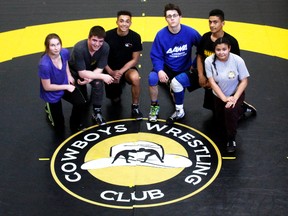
[(176, 86), (153, 79), (134, 79), (97, 84), (181, 81)]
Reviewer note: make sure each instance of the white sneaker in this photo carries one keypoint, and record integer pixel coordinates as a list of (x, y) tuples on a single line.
[(177, 115)]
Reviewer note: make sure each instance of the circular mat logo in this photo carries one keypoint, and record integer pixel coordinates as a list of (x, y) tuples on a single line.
[(135, 164)]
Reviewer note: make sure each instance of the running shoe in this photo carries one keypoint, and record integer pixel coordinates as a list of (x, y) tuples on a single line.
[(98, 118), (154, 112), (176, 116)]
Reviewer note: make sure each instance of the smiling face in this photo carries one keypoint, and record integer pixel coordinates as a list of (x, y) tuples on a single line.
[(95, 43), (123, 22), (222, 51)]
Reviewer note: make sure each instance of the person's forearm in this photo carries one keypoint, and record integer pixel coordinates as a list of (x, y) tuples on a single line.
[(55, 87), (95, 74), (217, 90), (109, 70), (200, 66), (127, 66), (131, 63), (241, 88)]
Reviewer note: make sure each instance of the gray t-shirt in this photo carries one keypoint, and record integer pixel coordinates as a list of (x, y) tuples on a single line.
[(81, 59), (226, 74)]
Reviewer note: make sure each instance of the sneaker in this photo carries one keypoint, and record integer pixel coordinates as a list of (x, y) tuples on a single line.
[(154, 112), (98, 118), (49, 115), (231, 146), (136, 113), (249, 110), (176, 116)]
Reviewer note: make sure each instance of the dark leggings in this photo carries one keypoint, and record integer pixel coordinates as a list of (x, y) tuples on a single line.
[(227, 118), (55, 111)]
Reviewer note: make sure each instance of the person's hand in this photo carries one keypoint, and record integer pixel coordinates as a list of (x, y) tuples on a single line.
[(208, 85), (71, 80), (70, 88), (163, 78), (117, 75), (203, 81), (231, 101), (230, 104), (107, 78), (116, 81), (84, 81)]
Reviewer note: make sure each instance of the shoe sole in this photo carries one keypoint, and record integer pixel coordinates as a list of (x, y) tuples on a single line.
[(254, 110), (250, 105), (230, 150), (153, 121), (170, 121)]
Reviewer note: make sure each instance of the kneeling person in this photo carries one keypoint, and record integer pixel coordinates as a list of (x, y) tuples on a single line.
[(125, 46)]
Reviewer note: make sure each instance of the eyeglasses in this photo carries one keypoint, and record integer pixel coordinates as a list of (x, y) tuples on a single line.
[(172, 16)]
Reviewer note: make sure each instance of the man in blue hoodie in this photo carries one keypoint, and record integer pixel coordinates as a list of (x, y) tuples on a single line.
[(171, 56)]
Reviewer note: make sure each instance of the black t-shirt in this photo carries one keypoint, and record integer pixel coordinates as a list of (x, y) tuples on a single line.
[(206, 47), (122, 47)]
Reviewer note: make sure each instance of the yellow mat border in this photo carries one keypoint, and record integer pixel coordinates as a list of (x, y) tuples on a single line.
[(262, 39)]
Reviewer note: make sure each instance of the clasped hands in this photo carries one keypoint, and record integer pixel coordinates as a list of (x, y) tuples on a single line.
[(230, 102)]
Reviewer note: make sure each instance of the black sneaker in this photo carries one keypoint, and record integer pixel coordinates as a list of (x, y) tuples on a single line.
[(249, 110), (136, 113), (98, 118), (176, 116), (231, 146)]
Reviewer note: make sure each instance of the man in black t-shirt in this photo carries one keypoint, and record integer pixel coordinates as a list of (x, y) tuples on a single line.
[(125, 47), (206, 48)]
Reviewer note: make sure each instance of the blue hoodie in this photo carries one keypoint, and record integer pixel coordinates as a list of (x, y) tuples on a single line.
[(174, 50)]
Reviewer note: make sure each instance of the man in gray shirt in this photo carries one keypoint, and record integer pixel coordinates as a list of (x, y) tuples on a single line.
[(88, 59)]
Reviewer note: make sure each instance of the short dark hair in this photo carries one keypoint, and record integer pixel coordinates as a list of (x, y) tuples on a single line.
[(171, 6), (222, 40), (97, 31), (217, 12), (124, 12)]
